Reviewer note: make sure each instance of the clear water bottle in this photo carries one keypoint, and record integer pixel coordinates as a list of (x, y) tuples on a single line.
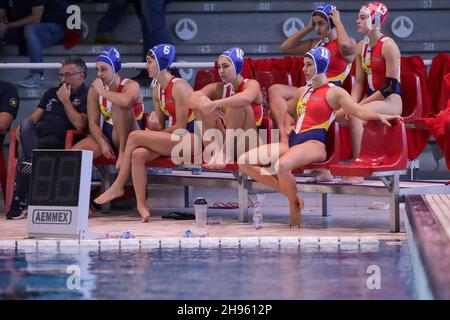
[(257, 211), (126, 234), (188, 233), (201, 211), (257, 217)]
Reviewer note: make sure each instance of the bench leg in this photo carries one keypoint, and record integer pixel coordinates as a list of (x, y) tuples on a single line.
[(188, 197), (326, 205), (394, 204), (243, 199), (394, 213)]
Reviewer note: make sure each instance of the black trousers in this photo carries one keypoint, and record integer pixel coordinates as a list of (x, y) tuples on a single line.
[(31, 138)]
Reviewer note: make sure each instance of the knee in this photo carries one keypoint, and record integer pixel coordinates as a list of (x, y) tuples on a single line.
[(282, 166), (133, 137), (139, 156), (30, 30), (26, 125), (274, 90)]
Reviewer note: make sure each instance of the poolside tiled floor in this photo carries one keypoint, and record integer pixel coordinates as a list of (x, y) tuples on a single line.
[(351, 218)]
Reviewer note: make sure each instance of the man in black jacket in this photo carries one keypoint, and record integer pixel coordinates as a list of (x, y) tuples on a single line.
[(60, 109)]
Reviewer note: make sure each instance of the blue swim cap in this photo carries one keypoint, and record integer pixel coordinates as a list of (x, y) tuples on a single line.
[(236, 56), (324, 11), (111, 56), (321, 58), (164, 55)]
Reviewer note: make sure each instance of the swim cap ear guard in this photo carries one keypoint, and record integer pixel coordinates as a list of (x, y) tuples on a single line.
[(321, 59), (324, 11), (111, 56), (377, 13), (164, 55), (236, 56)]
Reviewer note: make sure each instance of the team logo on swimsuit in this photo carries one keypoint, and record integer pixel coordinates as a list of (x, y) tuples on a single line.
[(76, 102), (49, 105), (13, 102)]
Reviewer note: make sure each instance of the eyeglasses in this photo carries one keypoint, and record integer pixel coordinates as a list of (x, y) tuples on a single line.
[(66, 75)]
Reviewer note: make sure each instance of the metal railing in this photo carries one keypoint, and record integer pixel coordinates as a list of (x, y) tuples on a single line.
[(128, 65)]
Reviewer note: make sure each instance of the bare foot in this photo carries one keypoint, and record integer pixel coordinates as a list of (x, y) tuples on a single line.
[(145, 214), (119, 160), (109, 195), (295, 209), (217, 161), (351, 180), (321, 177), (214, 166)]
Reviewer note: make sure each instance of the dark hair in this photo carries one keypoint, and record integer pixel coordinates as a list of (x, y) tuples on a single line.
[(320, 14), (173, 71), (78, 61)]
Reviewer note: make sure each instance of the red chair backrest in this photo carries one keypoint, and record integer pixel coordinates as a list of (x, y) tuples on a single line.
[(411, 96), (333, 149), (333, 143), (268, 78), (204, 77)]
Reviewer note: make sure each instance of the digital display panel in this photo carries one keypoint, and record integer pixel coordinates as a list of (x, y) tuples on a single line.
[(55, 178)]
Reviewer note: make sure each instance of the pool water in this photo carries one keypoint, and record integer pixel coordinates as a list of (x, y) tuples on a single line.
[(380, 271)]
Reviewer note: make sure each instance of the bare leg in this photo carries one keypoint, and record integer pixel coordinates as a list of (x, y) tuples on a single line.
[(157, 142), (236, 118), (289, 159), (140, 157), (124, 122), (297, 156), (250, 164), (89, 143), (279, 94)]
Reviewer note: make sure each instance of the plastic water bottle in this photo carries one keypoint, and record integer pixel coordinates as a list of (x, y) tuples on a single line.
[(188, 233), (126, 234), (257, 216), (257, 211), (201, 211)]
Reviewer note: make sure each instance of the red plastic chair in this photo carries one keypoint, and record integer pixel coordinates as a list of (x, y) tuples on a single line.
[(411, 97), (204, 77), (383, 148), (3, 172), (12, 165)]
